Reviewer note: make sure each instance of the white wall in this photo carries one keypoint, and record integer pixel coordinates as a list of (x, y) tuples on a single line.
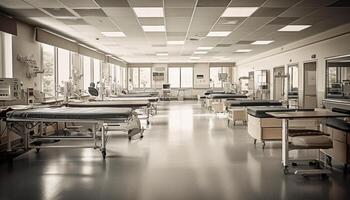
[(334, 42)]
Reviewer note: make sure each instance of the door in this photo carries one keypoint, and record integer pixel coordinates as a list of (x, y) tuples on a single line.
[(309, 97), (278, 83)]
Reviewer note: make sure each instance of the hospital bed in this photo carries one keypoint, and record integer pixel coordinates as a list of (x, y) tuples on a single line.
[(216, 101), (237, 109), (145, 105), (263, 127), (153, 100), (33, 124)]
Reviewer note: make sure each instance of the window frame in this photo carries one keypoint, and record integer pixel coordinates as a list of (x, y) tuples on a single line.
[(130, 75)]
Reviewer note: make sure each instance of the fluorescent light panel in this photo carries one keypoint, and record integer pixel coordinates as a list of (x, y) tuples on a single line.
[(113, 34), (218, 33), (149, 11), (243, 50), (294, 28), (175, 42), (194, 58), (262, 42), (200, 52), (204, 48), (162, 54), (153, 28), (239, 11)]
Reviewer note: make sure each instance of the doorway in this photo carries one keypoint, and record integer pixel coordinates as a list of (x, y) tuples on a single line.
[(310, 89), (278, 83)]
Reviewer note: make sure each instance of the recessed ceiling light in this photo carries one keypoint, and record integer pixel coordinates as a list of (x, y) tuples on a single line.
[(194, 58), (225, 59), (218, 57), (204, 48), (163, 58), (292, 28), (176, 42), (200, 52), (239, 11), (149, 11), (218, 33), (153, 28), (162, 54), (113, 34), (262, 42), (243, 50)]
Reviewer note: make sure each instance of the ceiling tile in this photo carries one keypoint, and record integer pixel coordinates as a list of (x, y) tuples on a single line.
[(231, 20), (113, 3), (283, 20), (28, 12), (178, 12), (244, 42), (15, 4), (79, 3), (59, 12), (120, 12), (246, 3), (73, 21), (314, 4), (268, 12), (151, 21), (280, 3), (146, 3), (179, 3), (90, 12), (45, 3), (211, 3), (223, 45), (297, 12)]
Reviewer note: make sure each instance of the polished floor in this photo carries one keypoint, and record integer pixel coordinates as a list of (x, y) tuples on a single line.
[(187, 153)]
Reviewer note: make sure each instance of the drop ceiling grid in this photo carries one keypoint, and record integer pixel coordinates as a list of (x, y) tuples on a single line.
[(118, 15)]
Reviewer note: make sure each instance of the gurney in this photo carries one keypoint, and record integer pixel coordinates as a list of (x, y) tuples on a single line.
[(25, 122), (237, 109), (153, 100), (216, 101), (144, 104)]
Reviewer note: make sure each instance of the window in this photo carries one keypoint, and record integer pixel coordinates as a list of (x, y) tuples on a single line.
[(63, 66), (214, 76), (6, 56), (145, 77), (140, 77), (186, 77), (174, 77), (97, 71), (123, 77), (112, 73), (118, 75), (48, 65), (87, 71), (293, 78)]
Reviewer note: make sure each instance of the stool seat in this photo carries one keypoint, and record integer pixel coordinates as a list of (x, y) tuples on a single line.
[(311, 142)]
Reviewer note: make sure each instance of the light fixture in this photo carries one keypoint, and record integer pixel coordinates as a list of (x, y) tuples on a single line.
[(204, 48), (239, 11), (149, 11), (162, 54), (153, 28), (262, 42), (194, 58), (176, 42), (200, 52), (113, 34), (243, 50), (292, 28), (218, 33)]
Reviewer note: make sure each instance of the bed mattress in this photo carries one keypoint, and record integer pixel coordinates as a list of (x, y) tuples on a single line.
[(248, 102), (114, 104), (70, 113)]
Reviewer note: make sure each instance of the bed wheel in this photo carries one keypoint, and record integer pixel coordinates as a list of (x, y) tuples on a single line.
[(254, 141), (263, 145), (129, 137), (37, 150), (104, 154), (148, 122), (285, 170)]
